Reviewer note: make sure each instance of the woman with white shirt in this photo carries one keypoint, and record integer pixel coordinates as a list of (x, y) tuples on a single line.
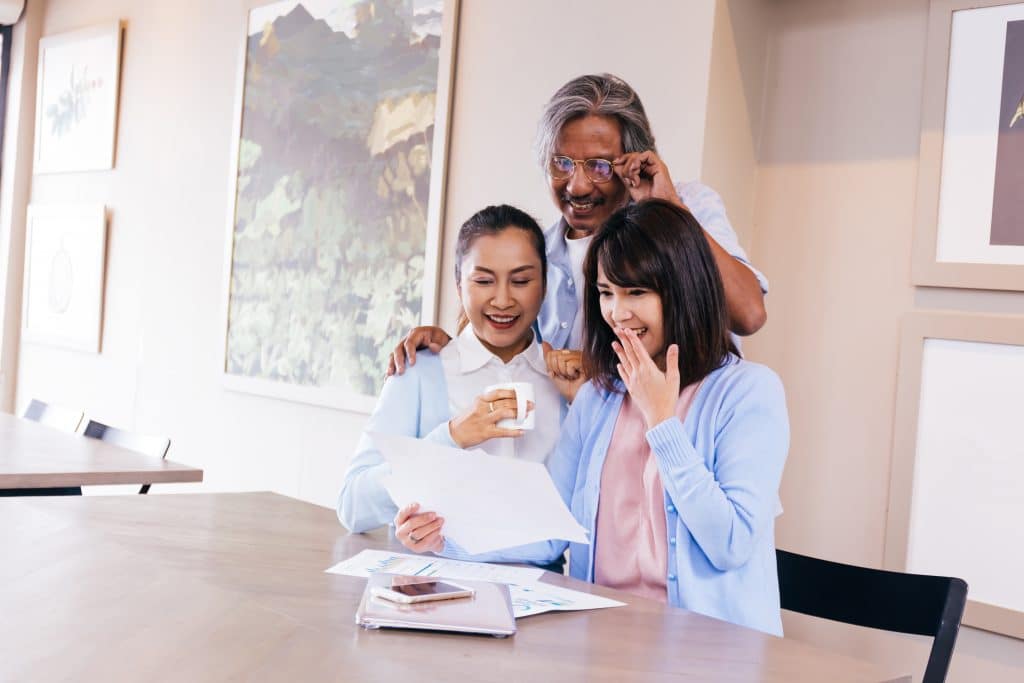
[(500, 276)]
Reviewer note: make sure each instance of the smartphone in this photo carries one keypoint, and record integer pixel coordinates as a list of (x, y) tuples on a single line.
[(421, 591)]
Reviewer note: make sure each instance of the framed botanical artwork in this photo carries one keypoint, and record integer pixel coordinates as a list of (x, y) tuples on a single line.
[(65, 254), (338, 174), (76, 100), (955, 503), (969, 229)]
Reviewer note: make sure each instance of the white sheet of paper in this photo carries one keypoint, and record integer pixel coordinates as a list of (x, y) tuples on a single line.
[(536, 598), (488, 502), (371, 561)]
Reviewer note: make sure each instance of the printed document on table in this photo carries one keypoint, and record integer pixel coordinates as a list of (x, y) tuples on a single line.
[(372, 561), (529, 595), (488, 502), (537, 597)]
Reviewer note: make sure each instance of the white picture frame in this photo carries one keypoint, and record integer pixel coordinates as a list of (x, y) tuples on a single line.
[(76, 100), (957, 460), (65, 257)]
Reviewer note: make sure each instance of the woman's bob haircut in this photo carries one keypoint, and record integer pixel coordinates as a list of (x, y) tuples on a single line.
[(659, 246)]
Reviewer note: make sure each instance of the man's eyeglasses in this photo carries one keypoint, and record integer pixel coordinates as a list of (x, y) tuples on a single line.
[(596, 170)]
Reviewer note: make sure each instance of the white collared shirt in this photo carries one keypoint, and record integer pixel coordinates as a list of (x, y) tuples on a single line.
[(469, 368)]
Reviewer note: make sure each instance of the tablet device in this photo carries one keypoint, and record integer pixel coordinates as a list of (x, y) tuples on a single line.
[(487, 611)]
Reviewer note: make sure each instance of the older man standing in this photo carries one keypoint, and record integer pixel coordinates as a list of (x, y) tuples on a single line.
[(596, 146)]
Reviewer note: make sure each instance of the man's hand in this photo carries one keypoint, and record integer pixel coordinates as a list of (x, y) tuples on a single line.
[(565, 363), (646, 176), (433, 338), (565, 368)]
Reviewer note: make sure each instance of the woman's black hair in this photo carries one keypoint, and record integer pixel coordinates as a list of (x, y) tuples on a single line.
[(659, 246)]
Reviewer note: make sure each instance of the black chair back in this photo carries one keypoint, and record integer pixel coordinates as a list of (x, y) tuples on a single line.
[(875, 598), (156, 446), (53, 416)]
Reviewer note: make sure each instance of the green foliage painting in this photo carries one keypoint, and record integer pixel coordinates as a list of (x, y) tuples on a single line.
[(331, 203)]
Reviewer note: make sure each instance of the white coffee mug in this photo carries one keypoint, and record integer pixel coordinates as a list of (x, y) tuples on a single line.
[(524, 393)]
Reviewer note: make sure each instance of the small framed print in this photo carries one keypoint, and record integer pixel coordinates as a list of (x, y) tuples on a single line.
[(65, 253), (76, 100)]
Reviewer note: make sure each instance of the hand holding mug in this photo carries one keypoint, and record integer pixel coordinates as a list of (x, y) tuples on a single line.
[(484, 420), (523, 393)]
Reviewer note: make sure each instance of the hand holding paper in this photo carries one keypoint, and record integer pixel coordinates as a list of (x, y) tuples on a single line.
[(488, 502)]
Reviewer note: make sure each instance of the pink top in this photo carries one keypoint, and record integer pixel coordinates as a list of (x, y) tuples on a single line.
[(631, 551)]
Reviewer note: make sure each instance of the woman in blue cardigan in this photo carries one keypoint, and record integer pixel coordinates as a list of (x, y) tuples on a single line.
[(672, 453)]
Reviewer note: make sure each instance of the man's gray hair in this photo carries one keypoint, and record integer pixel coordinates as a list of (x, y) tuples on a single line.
[(601, 95)]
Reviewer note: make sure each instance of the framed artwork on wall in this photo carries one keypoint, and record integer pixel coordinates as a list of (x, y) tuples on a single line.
[(338, 185), (76, 100), (955, 506), (65, 254), (969, 224)]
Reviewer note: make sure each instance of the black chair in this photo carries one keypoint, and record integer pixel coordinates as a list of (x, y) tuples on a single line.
[(58, 418), (53, 416), (156, 446), (891, 601)]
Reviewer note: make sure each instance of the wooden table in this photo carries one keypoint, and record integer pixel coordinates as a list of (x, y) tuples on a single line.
[(33, 455), (192, 587)]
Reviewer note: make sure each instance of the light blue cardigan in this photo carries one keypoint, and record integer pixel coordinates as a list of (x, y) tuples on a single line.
[(721, 470), (411, 404)]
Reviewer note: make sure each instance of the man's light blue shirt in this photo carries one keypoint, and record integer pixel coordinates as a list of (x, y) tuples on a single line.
[(562, 303)]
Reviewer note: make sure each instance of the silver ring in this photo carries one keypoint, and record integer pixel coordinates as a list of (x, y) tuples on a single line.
[(413, 539)]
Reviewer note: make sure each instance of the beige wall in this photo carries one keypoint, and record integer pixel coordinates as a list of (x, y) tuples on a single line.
[(834, 213), (733, 128)]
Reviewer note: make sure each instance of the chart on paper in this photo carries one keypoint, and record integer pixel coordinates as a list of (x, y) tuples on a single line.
[(529, 595)]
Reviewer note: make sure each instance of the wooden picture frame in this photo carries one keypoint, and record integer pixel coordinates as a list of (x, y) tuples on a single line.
[(76, 100), (918, 329), (265, 25), (977, 271)]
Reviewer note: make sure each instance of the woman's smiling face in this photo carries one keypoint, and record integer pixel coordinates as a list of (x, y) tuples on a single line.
[(501, 290), (637, 308)]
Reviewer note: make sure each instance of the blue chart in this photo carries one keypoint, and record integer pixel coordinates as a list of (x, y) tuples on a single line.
[(539, 598)]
